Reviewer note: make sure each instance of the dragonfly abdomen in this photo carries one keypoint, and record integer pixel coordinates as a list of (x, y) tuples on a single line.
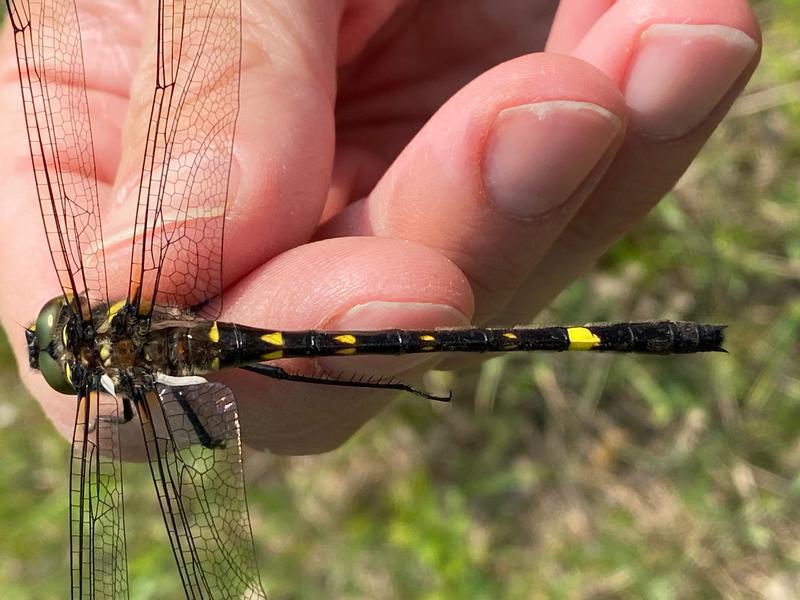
[(239, 345)]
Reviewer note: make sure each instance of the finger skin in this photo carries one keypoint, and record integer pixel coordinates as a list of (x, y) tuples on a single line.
[(422, 56), (316, 286), (609, 44), (573, 19), (435, 193), (284, 140), (645, 168)]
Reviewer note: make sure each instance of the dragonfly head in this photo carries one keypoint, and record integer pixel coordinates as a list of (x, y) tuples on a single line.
[(47, 345)]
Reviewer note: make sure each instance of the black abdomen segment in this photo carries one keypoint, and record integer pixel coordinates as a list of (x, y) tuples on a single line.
[(241, 345)]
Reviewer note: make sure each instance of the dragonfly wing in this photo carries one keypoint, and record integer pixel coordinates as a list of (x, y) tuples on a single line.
[(192, 438), (97, 527), (177, 248), (51, 76)]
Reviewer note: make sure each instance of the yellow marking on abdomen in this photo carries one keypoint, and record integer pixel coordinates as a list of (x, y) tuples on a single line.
[(345, 338), (426, 337), (512, 342), (215, 364), (275, 338), (213, 333), (346, 351), (580, 338), (272, 355)]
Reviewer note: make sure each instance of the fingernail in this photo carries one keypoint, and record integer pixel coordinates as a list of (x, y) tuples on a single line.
[(381, 314), (391, 315), (681, 72), (538, 154)]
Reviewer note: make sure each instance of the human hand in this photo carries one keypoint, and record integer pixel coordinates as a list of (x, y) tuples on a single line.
[(390, 172)]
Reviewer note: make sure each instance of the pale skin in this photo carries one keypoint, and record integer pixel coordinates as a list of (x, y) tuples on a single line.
[(429, 196)]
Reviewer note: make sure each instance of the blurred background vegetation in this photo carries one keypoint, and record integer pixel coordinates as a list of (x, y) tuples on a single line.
[(551, 477)]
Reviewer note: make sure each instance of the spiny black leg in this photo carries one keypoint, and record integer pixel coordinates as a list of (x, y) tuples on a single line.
[(279, 373), (202, 434), (127, 410), (127, 416)]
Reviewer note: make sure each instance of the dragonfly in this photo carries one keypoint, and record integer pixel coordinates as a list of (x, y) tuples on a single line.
[(141, 361)]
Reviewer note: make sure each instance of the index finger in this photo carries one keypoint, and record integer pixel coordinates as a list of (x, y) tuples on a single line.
[(282, 149)]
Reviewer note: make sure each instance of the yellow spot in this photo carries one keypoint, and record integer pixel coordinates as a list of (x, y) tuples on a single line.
[(32, 327), (213, 333), (105, 353), (68, 373), (345, 338), (215, 364), (346, 351), (64, 336), (50, 321), (428, 348), (275, 338), (427, 338), (272, 355), (512, 340), (581, 338)]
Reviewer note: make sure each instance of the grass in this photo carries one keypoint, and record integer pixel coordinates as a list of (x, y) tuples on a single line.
[(560, 477)]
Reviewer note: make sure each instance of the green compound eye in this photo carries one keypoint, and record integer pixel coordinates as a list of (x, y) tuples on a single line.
[(48, 328), (47, 321), (55, 374)]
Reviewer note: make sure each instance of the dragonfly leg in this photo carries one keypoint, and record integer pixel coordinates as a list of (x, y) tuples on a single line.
[(276, 372), (203, 435), (127, 416)]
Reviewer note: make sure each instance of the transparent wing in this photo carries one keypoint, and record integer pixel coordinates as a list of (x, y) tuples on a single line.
[(51, 76), (177, 249), (97, 526), (192, 438)]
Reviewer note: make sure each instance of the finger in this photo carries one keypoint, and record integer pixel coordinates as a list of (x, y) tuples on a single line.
[(498, 171), (338, 284), (109, 51), (574, 18), (283, 145), (691, 60)]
